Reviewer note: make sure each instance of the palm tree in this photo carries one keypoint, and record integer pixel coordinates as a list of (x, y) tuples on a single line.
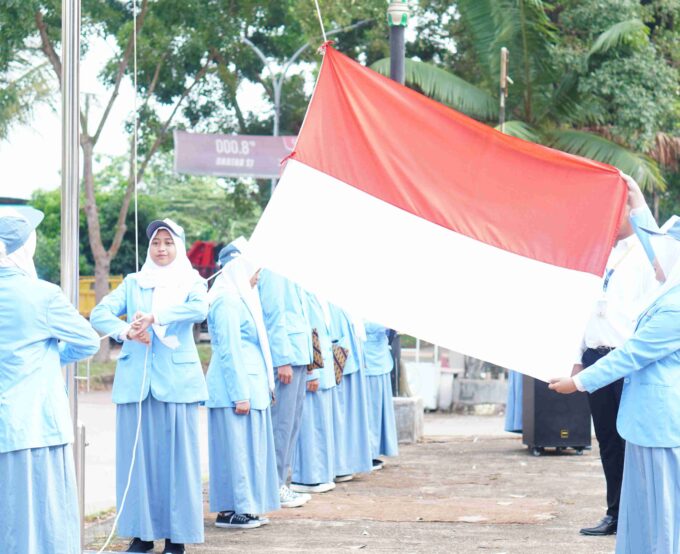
[(545, 107), (21, 89)]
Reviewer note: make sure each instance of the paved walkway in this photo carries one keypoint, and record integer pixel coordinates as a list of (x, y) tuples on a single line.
[(467, 488), (99, 416)]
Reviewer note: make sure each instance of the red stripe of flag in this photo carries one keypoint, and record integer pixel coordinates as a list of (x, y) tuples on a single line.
[(443, 166)]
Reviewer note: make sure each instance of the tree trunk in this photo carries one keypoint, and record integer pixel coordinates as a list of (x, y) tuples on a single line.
[(102, 268), (656, 204), (102, 259)]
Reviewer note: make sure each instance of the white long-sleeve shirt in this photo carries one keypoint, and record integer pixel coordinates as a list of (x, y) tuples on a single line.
[(628, 282)]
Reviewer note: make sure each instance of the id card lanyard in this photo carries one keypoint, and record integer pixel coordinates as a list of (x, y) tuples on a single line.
[(610, 271), (602, 303)]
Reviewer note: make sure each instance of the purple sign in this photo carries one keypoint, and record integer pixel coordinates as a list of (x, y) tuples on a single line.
[(231, 155)]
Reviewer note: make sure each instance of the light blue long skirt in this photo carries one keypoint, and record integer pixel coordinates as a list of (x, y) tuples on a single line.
[(39, 502), (243, 476), (649, 515), (313, 460), (350, 426), (383, 427), (513, 408), (165, 500)]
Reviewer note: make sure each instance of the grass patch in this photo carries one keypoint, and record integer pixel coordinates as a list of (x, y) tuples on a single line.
[(204, 353), (101, 373), (407, 341), (102, 515)]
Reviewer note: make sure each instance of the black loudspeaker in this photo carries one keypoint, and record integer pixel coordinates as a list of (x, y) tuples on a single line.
[(553, 420)]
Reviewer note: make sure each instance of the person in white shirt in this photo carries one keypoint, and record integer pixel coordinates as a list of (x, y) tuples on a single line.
[(627, 282)]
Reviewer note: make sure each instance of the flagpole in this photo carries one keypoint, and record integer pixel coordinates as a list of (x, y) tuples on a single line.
[(70, 179)]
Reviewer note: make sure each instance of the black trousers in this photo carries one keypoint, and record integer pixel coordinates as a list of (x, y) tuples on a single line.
[(604, 407)]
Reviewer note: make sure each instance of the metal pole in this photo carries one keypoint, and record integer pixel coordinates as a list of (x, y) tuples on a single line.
[(503, 88), (70, 179), (278, 85), (397, 18)]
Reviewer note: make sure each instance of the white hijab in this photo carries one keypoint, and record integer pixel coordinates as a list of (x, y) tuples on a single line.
[(667, 253), (170, 283), (235, 279), (21, 258)]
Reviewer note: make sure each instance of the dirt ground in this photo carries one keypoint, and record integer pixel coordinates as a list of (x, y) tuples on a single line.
[(445, 494)]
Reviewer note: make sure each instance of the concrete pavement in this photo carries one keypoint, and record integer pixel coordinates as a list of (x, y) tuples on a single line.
[(468, 487)]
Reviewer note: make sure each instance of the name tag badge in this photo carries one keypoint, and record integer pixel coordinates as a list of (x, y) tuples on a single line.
[(601, 308)]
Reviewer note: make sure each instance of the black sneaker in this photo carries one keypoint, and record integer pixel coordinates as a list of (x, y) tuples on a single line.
[(138, 545), (377, 465), (173, 547), (231, 520), (262, 519)]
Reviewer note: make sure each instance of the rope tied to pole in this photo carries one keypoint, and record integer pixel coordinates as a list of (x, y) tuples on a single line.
[(135, 138), (323, 30), (324, 45)]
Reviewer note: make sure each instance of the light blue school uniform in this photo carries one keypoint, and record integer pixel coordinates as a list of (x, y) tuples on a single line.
[(243, 475), (165, 499), (649, 421), (513, 406), (378, 364), (290, 341), (39, 332), (313, 458), (350, 408)]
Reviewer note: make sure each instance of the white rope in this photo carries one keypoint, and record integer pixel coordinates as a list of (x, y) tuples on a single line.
[(318, 12), (134, 456), (135, 134), (120, 509)]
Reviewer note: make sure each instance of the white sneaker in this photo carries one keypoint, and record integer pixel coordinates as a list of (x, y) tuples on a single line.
[(290, 499), (318, 488), (344, 478)]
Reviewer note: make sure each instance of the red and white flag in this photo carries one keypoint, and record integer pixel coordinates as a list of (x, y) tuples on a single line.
[(403, 210)]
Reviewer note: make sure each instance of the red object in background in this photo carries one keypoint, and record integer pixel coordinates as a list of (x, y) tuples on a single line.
[(202, 256)]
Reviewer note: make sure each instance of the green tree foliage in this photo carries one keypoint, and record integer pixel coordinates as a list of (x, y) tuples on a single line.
[(208, 208), (589, 77), (47, 256)]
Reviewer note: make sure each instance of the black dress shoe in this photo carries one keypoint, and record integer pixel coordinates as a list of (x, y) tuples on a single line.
[(138, 545), (606, 527), (173, 547)]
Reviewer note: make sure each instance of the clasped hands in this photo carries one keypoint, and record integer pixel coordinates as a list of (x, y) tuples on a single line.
[(138, 328)]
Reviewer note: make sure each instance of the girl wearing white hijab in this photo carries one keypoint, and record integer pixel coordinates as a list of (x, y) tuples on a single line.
[(649, 415), (159, 372), (39, 332), (243, 476)]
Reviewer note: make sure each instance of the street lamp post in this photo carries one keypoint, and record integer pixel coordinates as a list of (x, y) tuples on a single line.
[(505, 79), (279, 80), (397, 18)]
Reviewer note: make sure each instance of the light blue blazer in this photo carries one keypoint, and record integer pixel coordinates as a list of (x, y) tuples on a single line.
[(285, 316), (237, 368), (39, 332), (343, 333), (172, 375), (326, 375), (649, 414), (377, 353)]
